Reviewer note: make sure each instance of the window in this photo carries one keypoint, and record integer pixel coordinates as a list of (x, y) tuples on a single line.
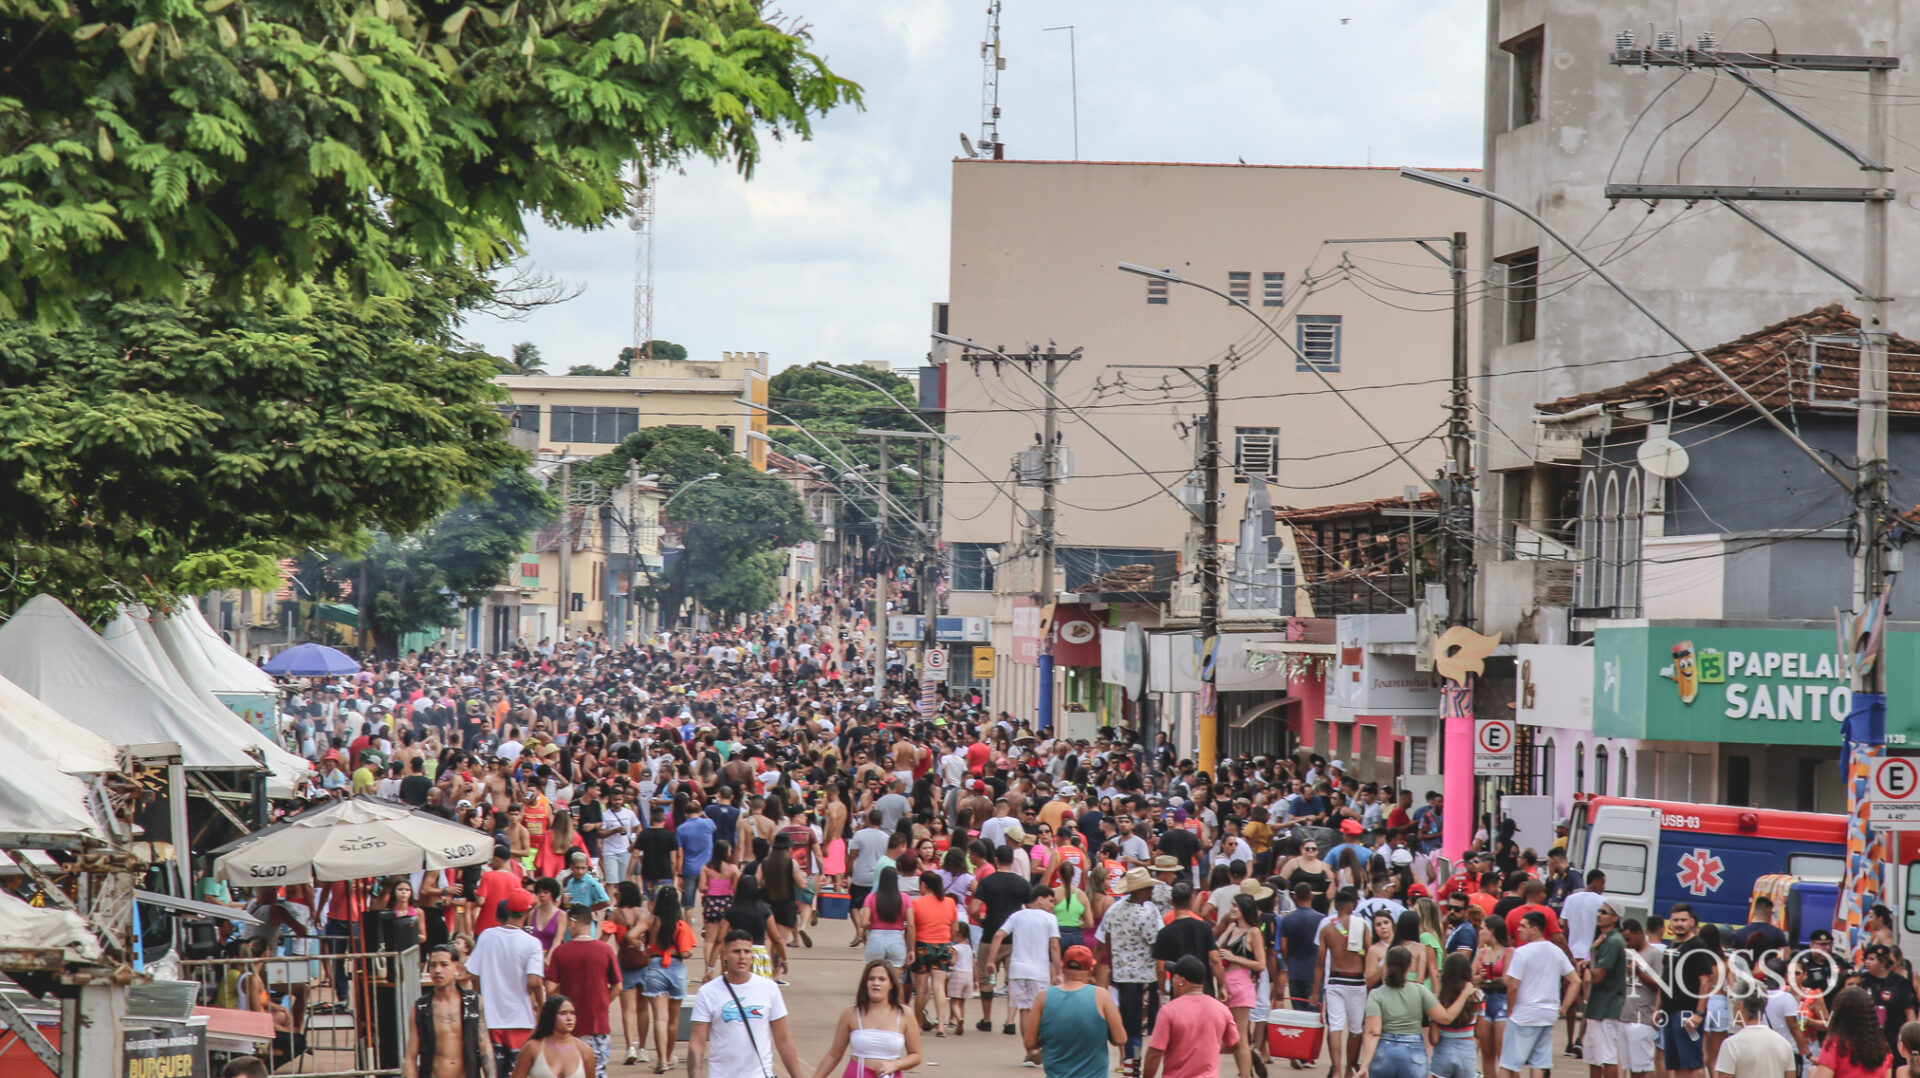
[(1273, 289), (1910, 914), (1240, 285), (1600, 760), (521, 416), (1319, 343), (725, 433), (1609, 568), (1579, 768), (1630, 536), (1156, 291), (1625, 864), (1818, 866), (1621, 774), (603, 426), (972, 568), (1520, 280), (1527, 51), (1587, 593), (1256, 451)]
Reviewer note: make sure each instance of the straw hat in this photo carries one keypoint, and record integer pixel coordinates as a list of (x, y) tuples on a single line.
[(1166, 862), (1136, 879)]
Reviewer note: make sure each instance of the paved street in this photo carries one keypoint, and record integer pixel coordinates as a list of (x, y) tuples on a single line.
[(822, 984)]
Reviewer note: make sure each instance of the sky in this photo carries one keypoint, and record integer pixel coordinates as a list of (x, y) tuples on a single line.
[(837, 248)]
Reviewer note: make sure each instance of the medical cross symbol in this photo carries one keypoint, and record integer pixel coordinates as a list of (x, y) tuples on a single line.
[(1700, 872)]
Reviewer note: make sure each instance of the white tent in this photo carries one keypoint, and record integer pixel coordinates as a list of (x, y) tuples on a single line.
[(131, 635), (38, 732), (22, 925), (39, 805), (185, 634), (52, 654)]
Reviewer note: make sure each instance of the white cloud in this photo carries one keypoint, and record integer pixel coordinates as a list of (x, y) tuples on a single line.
[(838, 246)]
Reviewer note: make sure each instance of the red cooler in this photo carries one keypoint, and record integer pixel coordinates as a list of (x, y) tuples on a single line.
[(1295, 1035)]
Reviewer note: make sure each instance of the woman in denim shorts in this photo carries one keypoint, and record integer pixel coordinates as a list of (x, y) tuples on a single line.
[(663, 980), (1454, 1051)]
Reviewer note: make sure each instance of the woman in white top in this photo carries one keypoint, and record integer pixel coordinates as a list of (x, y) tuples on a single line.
[(875, 1031), (553, 1051)]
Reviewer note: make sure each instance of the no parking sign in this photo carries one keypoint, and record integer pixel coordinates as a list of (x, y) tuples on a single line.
[(1894, 794), (1493, 747)]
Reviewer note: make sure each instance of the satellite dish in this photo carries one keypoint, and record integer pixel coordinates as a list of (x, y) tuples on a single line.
[(967, 145), (1663, 458)]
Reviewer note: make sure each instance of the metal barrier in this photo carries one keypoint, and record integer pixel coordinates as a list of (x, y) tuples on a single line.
[(350, 1011)]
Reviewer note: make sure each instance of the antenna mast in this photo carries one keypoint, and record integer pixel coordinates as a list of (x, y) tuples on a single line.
[(992, 63), (642, 225)]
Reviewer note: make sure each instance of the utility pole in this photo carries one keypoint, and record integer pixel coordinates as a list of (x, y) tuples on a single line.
[(1207, 713), (565, 581), (880, 595), (1049, 595), (929, 588), (633, 550)]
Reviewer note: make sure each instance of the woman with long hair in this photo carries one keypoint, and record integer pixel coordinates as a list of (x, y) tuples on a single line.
[(1490, 965), (1379, 939), (626, 926), (553, 1051), (1453, 1047), (781, 880), (1406, 933), (1307, 868), (875, 1030), (669, 943), (1431, 932), (935, 916), (719, 881), (751, 914), (552, 849), (1856, 1045), (1393, 1045), (1072, 909), (1243, 954), (1719, 1016), (888, 931)]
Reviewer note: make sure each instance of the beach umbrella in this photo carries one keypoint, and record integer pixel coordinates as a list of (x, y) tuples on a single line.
[(311, 660), (350, 840)]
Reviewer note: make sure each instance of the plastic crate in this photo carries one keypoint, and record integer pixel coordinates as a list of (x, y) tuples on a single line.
[(1295, 1034), (835, 906)]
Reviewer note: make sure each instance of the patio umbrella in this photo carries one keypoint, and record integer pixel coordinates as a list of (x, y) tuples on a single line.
[(350, 840), (311, 660)]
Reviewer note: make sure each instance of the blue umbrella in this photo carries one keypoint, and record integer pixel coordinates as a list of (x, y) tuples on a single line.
[(311, 660)]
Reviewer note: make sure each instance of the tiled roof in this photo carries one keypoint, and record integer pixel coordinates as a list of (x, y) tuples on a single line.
[(1781, 365), (1428, 500)]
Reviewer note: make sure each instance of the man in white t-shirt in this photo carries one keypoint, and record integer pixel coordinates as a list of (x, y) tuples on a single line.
[(1035, 960), (618, 824), (1755, 1051), (1541, 986), (1579, 914), (740, 1020), (511, 967)]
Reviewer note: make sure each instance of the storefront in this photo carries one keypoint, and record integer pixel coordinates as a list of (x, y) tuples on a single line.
[(1553, 705), (1382, 712), (1739, 716)]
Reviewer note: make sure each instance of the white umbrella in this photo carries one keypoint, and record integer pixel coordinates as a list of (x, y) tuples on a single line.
[(351, 840)]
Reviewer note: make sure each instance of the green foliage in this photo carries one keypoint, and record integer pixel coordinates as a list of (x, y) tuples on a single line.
[(150, 449), (417, 581), (588, 370), (732, 528), (659, 349), (524, 360), (280, 143), (820, 401)]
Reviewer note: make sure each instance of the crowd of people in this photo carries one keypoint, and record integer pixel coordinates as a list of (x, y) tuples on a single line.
[(677, 818)]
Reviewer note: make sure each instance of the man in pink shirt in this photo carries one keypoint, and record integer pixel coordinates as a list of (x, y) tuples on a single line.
[(1193, 1029)]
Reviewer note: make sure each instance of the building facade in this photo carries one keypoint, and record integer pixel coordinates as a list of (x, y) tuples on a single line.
[(586, 415)]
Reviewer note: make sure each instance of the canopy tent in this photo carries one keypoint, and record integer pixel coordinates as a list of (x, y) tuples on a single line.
[(37, 732), (42, 807), (131, 635), (350, 840), (30, 927), (185, 633), (49, 652)]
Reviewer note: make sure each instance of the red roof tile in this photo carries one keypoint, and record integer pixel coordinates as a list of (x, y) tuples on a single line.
[(1780, 365)]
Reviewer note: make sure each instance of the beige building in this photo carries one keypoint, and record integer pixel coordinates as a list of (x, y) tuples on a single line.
[(586, 415), (1033, 260), (588, 556)]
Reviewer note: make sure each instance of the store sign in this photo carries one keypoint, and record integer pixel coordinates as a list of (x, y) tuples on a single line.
[(1026, 631), (166, 1052), (1554, 686), (1365, 681), (1173, 662), (982, 663), (1747, 686), (912, 628)]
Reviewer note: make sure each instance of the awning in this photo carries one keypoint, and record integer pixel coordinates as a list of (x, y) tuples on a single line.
[(1292, 647), (338, 613), (1268, 708), (196, 907)]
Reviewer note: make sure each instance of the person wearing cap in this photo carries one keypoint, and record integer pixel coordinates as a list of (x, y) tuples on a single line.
[(511, 968), (1604, 1046), (1129, 929), (1193, 1029), (1070, 1026), (1350, 832)]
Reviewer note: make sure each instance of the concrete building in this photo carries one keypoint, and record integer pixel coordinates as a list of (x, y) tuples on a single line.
[(585, 415), (1578, 543), (589, 559), (1033, 252)]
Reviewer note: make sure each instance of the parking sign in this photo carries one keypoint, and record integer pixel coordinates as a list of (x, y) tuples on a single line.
[(1894, 793), (1493, 747)]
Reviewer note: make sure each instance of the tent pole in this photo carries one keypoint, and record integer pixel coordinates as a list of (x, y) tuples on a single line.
[(182, 841)]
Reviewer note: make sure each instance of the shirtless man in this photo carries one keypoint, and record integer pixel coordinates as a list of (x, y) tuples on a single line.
[(906, 757), (1344, 996), (756, 824), (519, 836), (500, 786), (449, 1027)]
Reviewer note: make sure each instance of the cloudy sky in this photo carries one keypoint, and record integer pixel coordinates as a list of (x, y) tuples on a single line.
[(837, 247)]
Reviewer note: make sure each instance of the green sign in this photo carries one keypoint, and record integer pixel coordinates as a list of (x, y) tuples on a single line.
[(1749, 686)]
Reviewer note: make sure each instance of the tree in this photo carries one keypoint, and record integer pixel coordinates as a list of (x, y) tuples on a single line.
[(733, 528), (152, 448), (286, 147), (416, 582), (813, 398), (524, 360)]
